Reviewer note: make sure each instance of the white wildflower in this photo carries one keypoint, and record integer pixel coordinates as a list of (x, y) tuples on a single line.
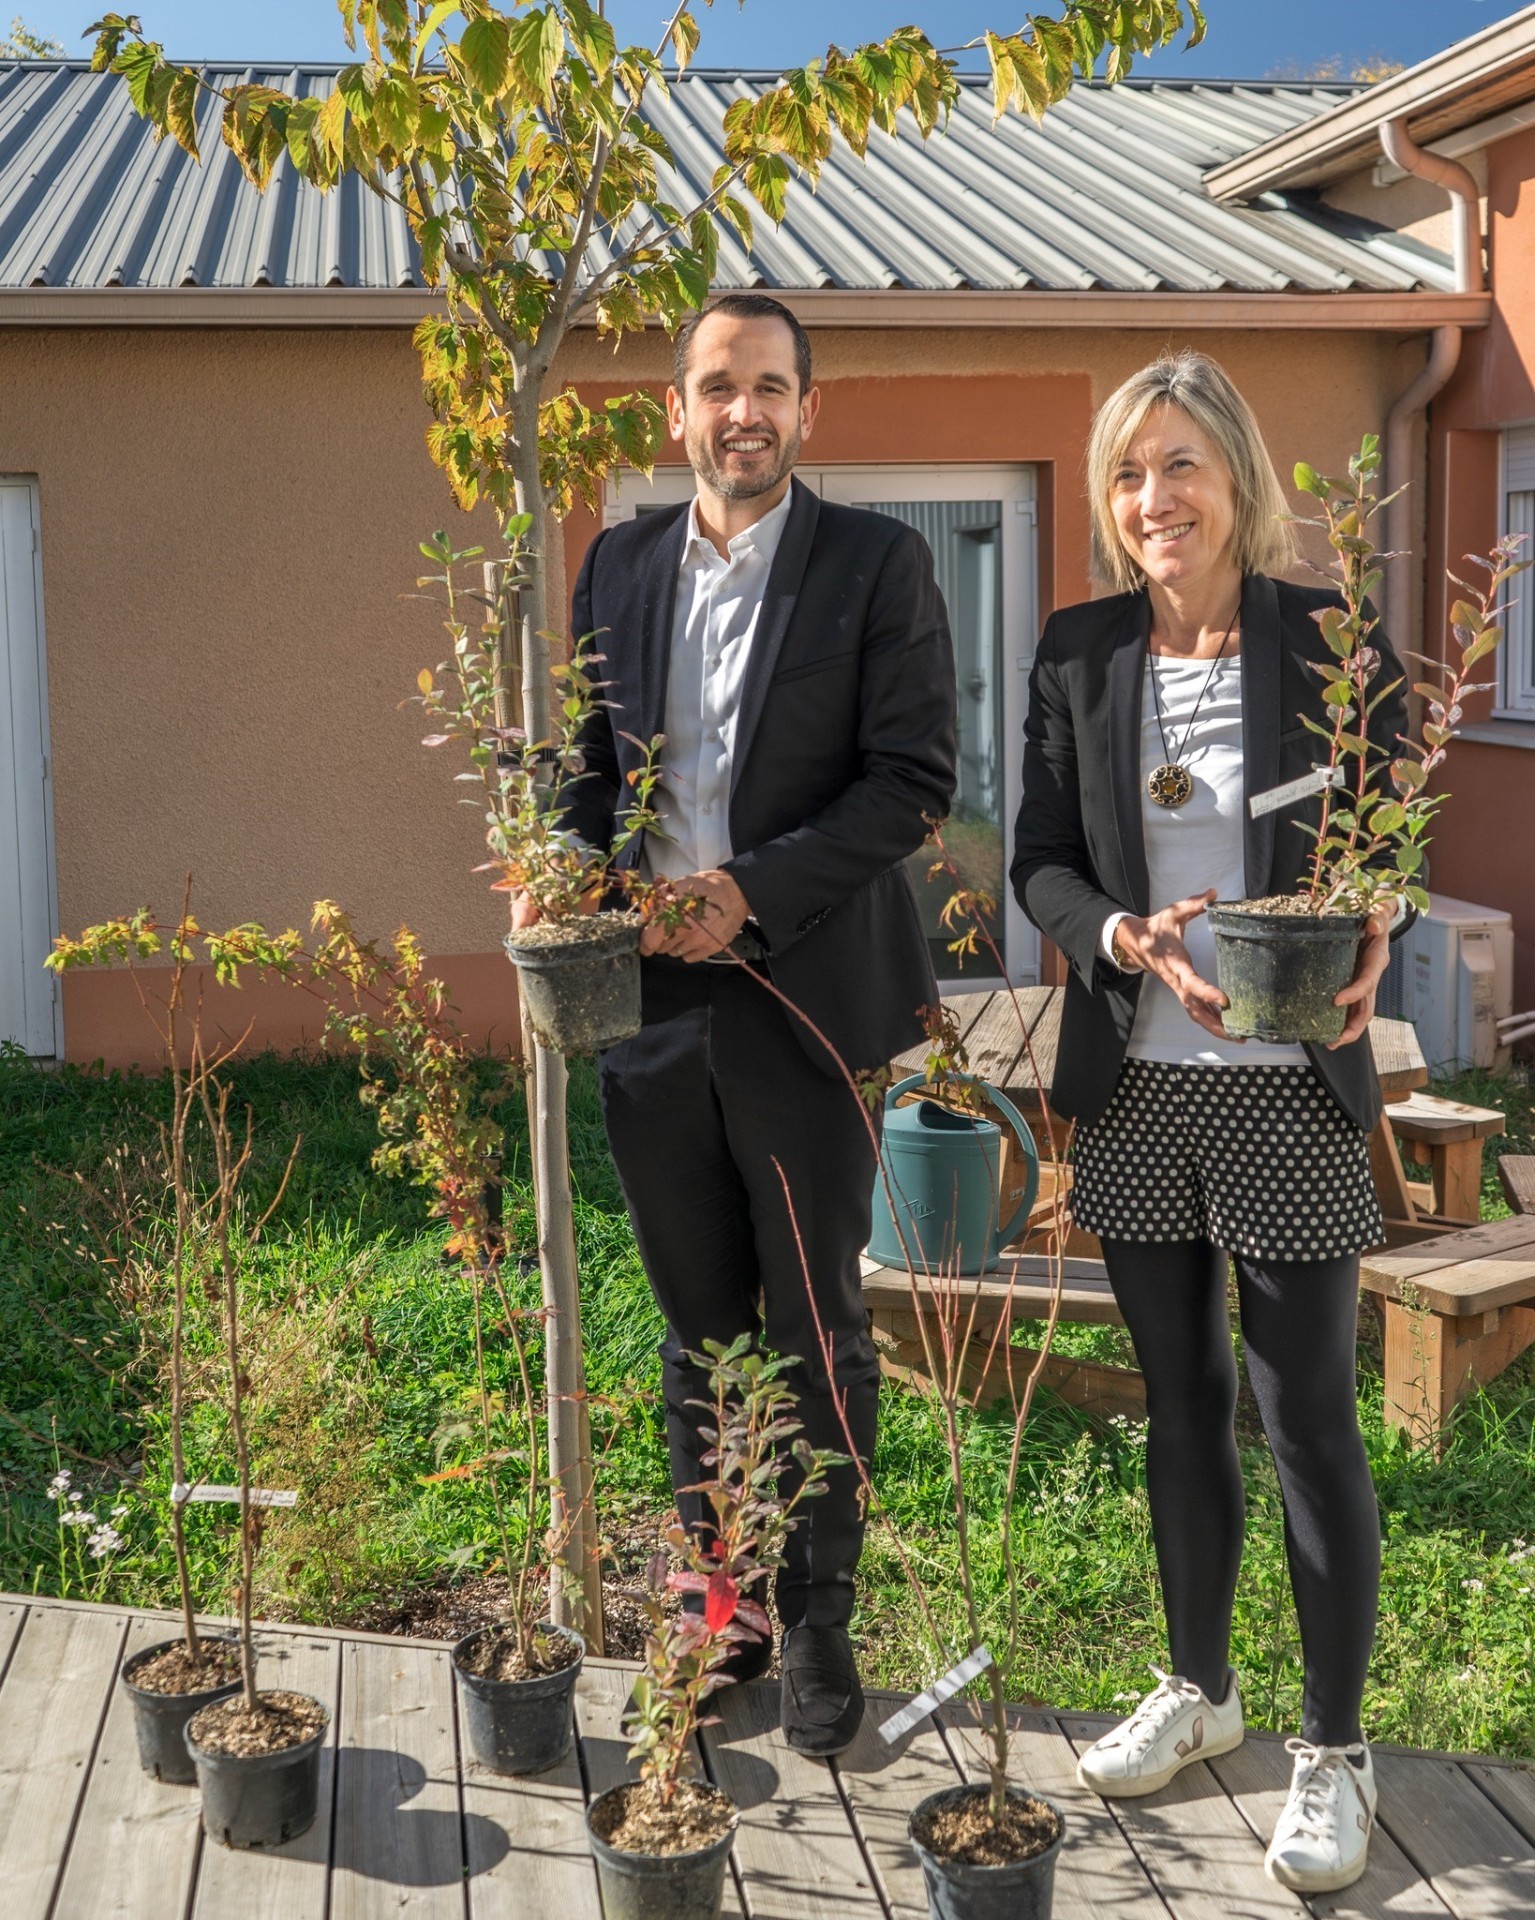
[(118, 1512), (103, 1541), (75, 1499), (58, 1486), (1472, 1586), (76, 1518), (1465, 1674)]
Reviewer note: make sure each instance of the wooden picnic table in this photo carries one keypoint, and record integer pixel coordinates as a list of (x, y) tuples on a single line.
[(1457, 1309), (993, 1027), (1010, 1040)]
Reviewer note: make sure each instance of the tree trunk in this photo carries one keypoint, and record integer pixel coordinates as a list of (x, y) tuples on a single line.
[(575, 1581), (576, 1590)]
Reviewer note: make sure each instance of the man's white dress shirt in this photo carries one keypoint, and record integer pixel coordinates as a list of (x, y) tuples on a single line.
[(714, 621)]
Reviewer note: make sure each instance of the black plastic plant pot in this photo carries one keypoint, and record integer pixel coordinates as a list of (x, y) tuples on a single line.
[(260, 1799), (1281, 972), (518, 1726), (1022, 1890), (581, 988), (659, 1886), (160, 1719)]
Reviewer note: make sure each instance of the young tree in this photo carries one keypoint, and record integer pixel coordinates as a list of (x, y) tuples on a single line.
[(22, 44), (541, 199)]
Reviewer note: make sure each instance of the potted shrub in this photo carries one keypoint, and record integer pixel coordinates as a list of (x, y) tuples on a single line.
[(662, 1842), (417, 1074), (170, 1682), (987, 1848), (1282, 961), (578, 967), (257, 1754), (173, 1680), (516, 1677)]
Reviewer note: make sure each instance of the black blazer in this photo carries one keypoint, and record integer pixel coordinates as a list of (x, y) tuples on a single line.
[(845, 746), (1079, 852)]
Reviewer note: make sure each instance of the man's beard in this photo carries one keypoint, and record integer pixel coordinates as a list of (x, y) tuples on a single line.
[(733, 487)]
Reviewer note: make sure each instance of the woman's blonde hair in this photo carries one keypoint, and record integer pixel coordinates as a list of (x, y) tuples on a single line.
[(1261, 541)]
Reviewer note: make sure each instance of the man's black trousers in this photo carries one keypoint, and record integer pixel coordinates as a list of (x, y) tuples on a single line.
[(699, 1105)]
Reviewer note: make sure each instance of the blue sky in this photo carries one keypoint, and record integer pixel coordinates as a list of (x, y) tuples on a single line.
[(1248, 38)]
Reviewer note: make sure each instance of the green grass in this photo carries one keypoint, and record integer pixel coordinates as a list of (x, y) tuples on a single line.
[(369, 1388)]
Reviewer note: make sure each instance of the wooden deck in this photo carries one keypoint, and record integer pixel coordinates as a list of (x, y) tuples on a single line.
[(410, 1828)]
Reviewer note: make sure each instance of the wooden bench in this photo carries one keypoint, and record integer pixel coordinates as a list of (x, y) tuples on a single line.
[(1452, 1133), (1458, 1310), (1517, 1172), (975, 1308)]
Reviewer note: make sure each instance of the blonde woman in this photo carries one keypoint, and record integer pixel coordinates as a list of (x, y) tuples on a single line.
[(1154, 716)]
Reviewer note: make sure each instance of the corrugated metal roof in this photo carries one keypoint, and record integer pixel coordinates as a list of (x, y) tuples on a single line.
[(1108, 194)]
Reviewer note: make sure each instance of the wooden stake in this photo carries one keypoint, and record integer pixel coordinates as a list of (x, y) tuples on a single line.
[(576, 1588)]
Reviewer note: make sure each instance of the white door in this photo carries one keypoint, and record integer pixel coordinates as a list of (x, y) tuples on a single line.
[(28, 995), (980, 524)]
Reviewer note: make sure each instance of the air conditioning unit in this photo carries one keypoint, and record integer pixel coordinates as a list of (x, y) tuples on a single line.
[(1452, 976)]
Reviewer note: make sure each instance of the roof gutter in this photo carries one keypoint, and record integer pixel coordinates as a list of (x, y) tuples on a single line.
[(1402, 583), (893, 307)]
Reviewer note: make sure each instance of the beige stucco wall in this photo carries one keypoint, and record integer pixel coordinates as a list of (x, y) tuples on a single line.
[(230, 524), (1315, 393), (1415, 208)]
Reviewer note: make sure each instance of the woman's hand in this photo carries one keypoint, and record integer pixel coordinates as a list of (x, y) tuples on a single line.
[(1155, 945), (1359, 995)]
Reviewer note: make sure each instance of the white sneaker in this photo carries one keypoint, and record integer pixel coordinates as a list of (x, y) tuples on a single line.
[(1323, 1836), (1174, 1726)]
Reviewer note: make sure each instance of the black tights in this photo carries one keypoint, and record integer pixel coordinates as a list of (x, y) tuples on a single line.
[(1299, 1325)]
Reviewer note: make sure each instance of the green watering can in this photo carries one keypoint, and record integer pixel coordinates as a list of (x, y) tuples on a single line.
[(944, 1170)]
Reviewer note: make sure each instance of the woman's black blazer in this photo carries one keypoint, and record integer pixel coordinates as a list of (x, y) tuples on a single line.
[(1079, 853)]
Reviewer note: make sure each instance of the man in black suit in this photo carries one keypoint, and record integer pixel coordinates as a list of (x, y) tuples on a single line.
[(796, 655)]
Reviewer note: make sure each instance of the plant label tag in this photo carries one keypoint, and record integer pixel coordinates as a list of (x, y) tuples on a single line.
[(230, 1496), (1316, 781), (937, 1693)]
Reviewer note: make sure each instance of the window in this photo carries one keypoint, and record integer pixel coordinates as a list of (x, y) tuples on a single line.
[(979, 523), (1516, 674)]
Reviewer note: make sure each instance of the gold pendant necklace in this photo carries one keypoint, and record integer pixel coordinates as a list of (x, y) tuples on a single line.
[(1171, 784)]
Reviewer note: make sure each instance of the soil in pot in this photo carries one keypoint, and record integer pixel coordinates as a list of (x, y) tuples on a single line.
[(167, 1685), (580, 980), (516, 1704), (259, 1773), (978, 1868), (662, 1863), (1281, 966)]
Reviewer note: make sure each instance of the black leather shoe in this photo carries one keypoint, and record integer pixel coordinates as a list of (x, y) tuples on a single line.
[(822, 1706)]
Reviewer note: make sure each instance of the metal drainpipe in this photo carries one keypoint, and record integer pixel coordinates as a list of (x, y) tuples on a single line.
[(1443, 358)]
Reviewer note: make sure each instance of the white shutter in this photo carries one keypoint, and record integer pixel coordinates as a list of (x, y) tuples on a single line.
[(1519, 459)]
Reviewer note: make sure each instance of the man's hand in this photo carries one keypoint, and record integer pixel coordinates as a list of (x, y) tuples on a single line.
[(1359, 995), (722, 912), (1155, 945)]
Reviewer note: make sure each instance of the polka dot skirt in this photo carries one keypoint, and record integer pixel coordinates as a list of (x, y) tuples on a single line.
[(1258, 1160)]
